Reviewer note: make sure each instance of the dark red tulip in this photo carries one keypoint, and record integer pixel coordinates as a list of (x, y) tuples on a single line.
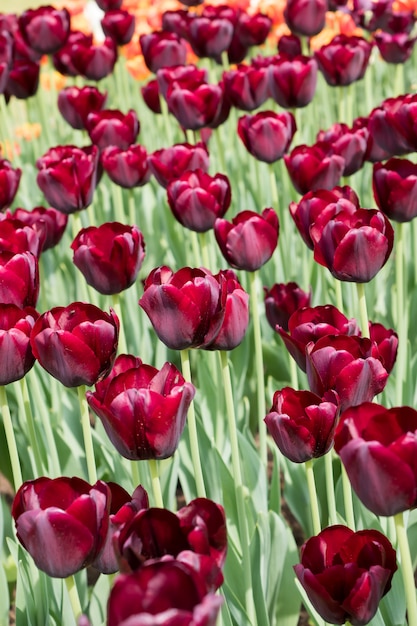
[(252, 30), (16, 236), (305, 17), (9, 183), (307, 325), (113, 128), (349, 143), (314, 167), (290, 46), (186, 308), (345, 364), (45, 29), (23, 79), (15, 351), (379, 445), (374, 152), (143, 410), (150, 95), (385, 342), (236, 318), (127, 168), (19, 283), (344, 60), (393, 125), (345, 574), (67, 177), (247, 86), (267, 135), (382, 14), (210, 35), (122, 508), (396, 48), (292, 80), (394, 185), (162, 49), (197, 199), (119, 25), (62, 522), (249, 241), (169, 163), (48, 222), (75, 103), (302, 424), (109, 5), (181, 75), (195, 106), (62, 59), (76, 344), (176, 21), (166, 591), (282, 300), (109, 256), (94, 61), (354, 244), (6, 58)]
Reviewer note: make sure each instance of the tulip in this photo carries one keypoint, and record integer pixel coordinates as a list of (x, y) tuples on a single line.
[(161, 49), (377, 447), (351, 144), (247, 86), (94, 61), (344, 60), (119, 25), (176, 21), (290, 46), (6, 57), (76, 344), (302, 424), (168, 592), (23, 79), (252, 30), (62, 522), (374, 152), (45, 29), (19, 284), (292, 80), (169, 163), (385, 342), (67, 177), (75, 103), (109, 256), (392, 125), (236, 318), (63, 58), (150, 95), (305, 17), (196, 199), (15, 351), (209, 35), (109, 5), (48, 222), (195, 106), (181, 75), (282, 300), (16, 236), (128, 168), (396, 48), (394, 185), (9, 183), (112, 128), (249, 241), (186, 308), (315, 167), (143, 410), (267, 135), (345, 574)]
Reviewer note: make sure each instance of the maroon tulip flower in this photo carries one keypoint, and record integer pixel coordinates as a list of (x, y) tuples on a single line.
[(314, 167), (164, 591), (119, 25), (162, 49), (62, 522), (19, 278), (151, 97), (109, 256), (127, 168), (249, 241), (351, 144), (6, 58), (354, 244), (393, 125), (302, 424), (75, 103), (196, 199), (186, 308), (252, 30), (374, 152), (282, 300), (345, 574), (345, 364), (62, 59), (247, 86), (76, 344), (180, 75), (112, 128), (45, 29), (170, 163), (67, 177), (9, 183), (176, 21), (210, 35), (109, 5), (23, 79), (344, 60), (380, 444), (48, 222), (16, 236), (394, 185), (143, 410), (94, 61), (292, 80), (267, 135), (385, 342), (396, 48), (305, 17), (195, 106), (15, 351)]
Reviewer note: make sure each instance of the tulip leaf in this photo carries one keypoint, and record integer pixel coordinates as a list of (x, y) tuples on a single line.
[(392, 605), (5, 598), (98, 600)]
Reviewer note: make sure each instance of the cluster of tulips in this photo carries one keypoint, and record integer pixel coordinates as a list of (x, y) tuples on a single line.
[(172, 564)]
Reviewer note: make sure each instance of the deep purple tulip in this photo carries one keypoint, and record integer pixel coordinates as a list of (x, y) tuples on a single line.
[(63, 58), (16, 236), (9, 183), (249, 241), (47, 221), (394, 185), (76, 344), (23, 79), (109, 5), (380, 444), (345, 574), (62, 522), (119, 25), (15, 351), (252, 30), (305, 17), (209, 36), (182, 75), (314, 167), (67, 177), (393, 125), (19, 279), (75, 103), (127, 168), (162, 49), (186, 308), (385, 342), (168, 164), (195, 106), (143, 409), (396, 48), (351, 144), (6, 58), (197, 199), (267, 135), (176, 21), (374, 152), (94, 61), (151, 96), (247, 86), (111, 127), (289, 46), (344, 60), (45, 29), (282, 300)]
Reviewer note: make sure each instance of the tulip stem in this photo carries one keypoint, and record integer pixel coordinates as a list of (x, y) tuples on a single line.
[(237, 475), (135, 474), (259, 366), (401, 315), (311, 484), (73, 597), (331, 500), (10, 438), (192, 429), (122, 335), (119, 210), (88, 440), (44, 412), (156, 484), (196, 249), (363, 312), (339, 295), (406, 569), (347, 499), (22, 389), (204, 250)]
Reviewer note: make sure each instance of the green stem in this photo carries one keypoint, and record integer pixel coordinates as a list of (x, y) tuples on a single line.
[(119, 210), (156, 484), (259, 366), (196, 249), (406, 569), (347, 499), (192, 429), (311, 484), (293, 372), (339, 296), (88, 440), (331, 500), (73, 596), (132, 207), (135, 474), (204, 250), (45, 415), (23, 390), (122, 345), (10, 438), (363, 312), (401, 318)]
